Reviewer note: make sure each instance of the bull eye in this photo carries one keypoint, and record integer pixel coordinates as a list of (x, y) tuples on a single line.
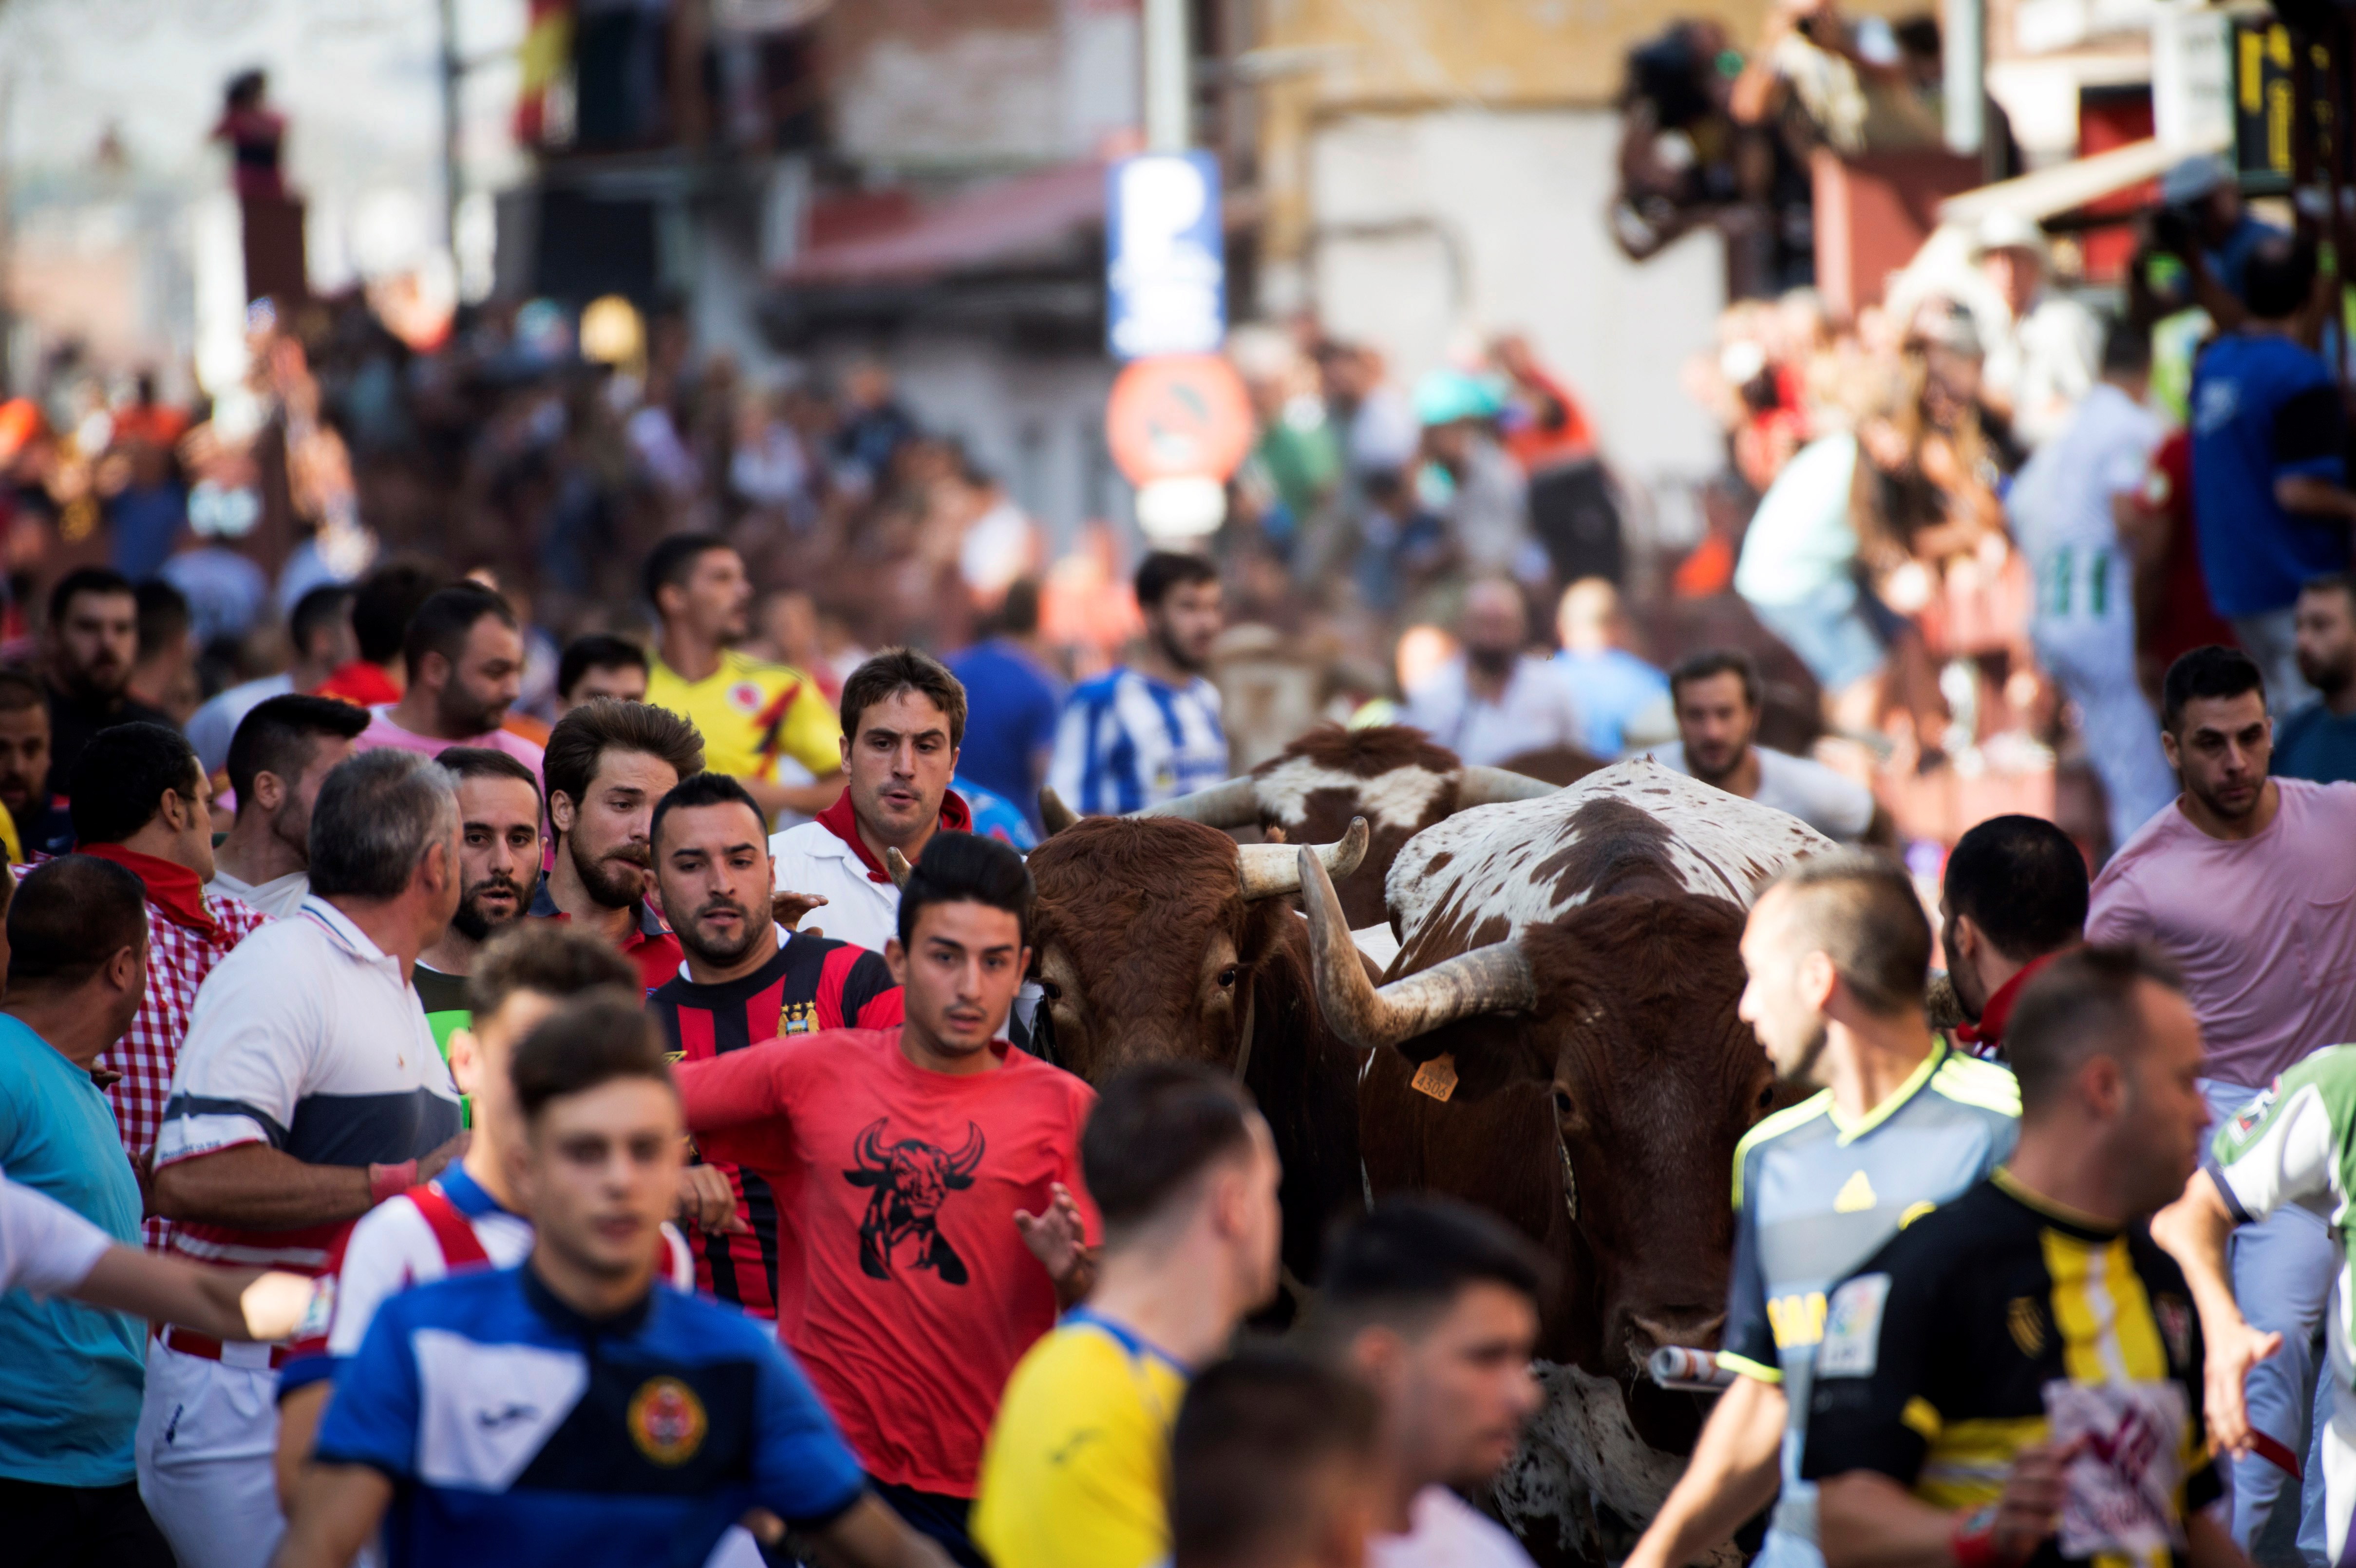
[(1227, 976), (1766, 1096), (1052, 991), (1562, 1104)]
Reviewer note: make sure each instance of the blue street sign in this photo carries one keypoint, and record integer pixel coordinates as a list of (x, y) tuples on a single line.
[(1165, 270)]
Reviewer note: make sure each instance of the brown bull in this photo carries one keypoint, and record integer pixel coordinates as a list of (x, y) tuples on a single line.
[(1162, 940), (1568, 969)]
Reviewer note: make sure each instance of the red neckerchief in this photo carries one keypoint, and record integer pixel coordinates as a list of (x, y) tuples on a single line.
[(171, 886), (359, 682), (1996, 1011), (956, 817)]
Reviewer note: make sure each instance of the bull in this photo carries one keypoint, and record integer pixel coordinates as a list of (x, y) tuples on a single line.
[(912, 1180), (1557, 1041), (1162, 939)]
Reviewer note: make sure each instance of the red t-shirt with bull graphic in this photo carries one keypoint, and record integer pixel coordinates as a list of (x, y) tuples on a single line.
[(903, 1286)]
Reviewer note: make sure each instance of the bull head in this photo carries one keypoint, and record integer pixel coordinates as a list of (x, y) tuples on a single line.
[(1496, 978)]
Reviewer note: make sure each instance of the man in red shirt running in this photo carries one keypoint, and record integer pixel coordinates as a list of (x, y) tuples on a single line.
[(932, 1221)]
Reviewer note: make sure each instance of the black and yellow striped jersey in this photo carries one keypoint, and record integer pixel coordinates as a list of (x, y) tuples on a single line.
[(1938, 1354)]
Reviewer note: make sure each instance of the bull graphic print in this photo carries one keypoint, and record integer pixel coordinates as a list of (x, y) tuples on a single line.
[(912, 1180)]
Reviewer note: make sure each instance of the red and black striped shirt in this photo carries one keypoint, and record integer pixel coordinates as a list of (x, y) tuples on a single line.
[(814, 983)]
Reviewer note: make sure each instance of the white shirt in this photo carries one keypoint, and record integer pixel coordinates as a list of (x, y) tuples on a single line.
[(1447, 1532), (1537, 710), (212, 728), (2059, 506), (278, 898), (44, 1247), (1833, 803), (857, 910)]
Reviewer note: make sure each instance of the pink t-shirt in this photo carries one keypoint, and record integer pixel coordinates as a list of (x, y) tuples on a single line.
[(2264, 928), (383, 732)]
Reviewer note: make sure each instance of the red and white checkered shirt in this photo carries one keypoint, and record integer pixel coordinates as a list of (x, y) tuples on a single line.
[(178, 959)]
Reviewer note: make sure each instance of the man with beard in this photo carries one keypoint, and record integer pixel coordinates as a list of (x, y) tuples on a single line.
[(1837, 950), (608, 763), (2247, 883), (466, 670), (745, 981), (283, 752), (498, 868), (2318, 740), (1150, 732), (88, 648), (1716, 696), (1493, 702), (35, 822)]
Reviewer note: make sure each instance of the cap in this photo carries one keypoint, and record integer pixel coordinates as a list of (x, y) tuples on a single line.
[(2189, 179), (1951, 328), (1443, 397), (2003, 229)]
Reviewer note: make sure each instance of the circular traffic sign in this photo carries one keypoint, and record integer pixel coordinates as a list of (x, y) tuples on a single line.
[(1178, 416)]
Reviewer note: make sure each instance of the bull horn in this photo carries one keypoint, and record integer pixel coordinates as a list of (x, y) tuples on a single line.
[(1491, 786), (1273, 871), (1229, 804), (1945, 1009), (897, 864), (1054, 815), (1495, 978)]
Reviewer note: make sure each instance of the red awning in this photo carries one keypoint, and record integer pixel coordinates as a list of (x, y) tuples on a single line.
[(1025, 218)]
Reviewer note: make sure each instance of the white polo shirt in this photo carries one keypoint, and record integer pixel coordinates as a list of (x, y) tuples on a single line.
[(859, 908), (307, 1039)]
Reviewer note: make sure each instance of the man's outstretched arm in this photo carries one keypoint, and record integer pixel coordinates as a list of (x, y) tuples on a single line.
[(1733, 1475)]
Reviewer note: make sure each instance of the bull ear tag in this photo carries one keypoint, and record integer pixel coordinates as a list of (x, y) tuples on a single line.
[(1436, 1078)]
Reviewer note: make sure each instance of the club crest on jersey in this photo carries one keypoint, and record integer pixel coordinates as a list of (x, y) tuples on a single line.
[(2246, 1120), (744, 697), (666, 1421), (1852, 1343)]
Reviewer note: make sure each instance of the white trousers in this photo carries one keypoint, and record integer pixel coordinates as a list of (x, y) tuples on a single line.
[(207, 1447)]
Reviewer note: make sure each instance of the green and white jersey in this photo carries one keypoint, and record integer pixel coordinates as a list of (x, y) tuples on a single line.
[(2294, 1144)]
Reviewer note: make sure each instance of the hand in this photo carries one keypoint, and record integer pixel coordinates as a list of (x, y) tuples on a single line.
[(708, 1202), (431, 1166), (789, 909), (1056, 1237), (2233, 1349), (274, 1303), (2030, 1508)]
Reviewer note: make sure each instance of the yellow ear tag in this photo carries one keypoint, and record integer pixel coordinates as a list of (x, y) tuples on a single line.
[(1436, 1078)]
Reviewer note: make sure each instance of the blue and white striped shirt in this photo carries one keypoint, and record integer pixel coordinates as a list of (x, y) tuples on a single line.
[(1126, 741)]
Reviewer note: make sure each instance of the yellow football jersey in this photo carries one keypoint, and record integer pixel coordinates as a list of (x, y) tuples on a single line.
[(751, 713), (1079, 1457)]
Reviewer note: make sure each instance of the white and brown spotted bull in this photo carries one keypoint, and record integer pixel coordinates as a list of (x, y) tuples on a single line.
[(1160, 939), (1565, 995)]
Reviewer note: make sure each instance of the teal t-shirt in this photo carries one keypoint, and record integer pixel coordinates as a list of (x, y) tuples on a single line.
[(69, 1375)]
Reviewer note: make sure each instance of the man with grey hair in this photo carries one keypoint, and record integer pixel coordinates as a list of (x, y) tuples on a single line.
[(309, 1090)]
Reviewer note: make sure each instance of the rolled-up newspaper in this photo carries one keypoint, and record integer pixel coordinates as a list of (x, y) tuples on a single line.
[(1683, 1367)]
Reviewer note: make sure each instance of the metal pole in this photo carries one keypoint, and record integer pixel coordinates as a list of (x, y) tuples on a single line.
[(1964, 45), (454, 71), (1169, 77)]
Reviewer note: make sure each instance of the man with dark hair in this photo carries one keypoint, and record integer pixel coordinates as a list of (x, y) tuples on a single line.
[(140, 801), (1184, 1172), (902, 721), (1836, 951), (1150, 730), (1497, 698), (1012, 696), (88, 646), (2014, 894), (465, 657), (498, 871), (2065, 508), (765, 724), (320, 643), (2028, 1345), (2318, 740), (2247, 883), (1716, 696), (309, 1091), (609, 1420), (600, 665), (745, 981), (2271, 503), (1434, 1305), (285, 750), (1270, 1466), (921, 1277), (383, 605), (163, 670), (35, 821), (71, 1375), (608, 764)]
